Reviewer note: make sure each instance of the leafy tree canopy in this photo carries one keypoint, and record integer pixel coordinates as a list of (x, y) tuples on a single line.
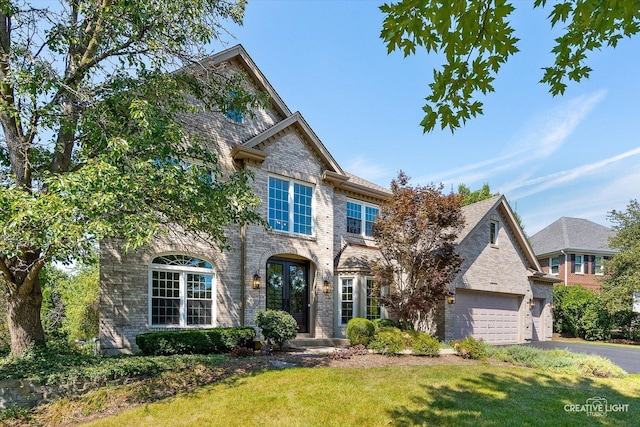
[(476, 39), (622, 271), (90, 108), (415, 231), (470, 197)]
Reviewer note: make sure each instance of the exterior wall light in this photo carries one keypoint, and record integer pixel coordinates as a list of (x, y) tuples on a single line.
[(255, 282), (532, 304), (326, 287), (451, 297)]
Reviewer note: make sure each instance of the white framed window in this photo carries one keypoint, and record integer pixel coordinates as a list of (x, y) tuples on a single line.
[(597, 266), (361, 217), (373, 308), (346, 299), (554, 265), (290, 206), (493, 232), (233, 114), (578, 264), (181, 292)]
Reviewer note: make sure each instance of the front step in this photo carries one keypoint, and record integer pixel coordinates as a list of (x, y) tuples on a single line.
[(317, 342)]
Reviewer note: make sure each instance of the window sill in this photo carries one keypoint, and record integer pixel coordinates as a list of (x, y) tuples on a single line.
[(294, 235)]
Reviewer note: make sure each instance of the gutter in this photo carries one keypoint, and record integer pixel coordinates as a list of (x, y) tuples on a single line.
[(565, 266)]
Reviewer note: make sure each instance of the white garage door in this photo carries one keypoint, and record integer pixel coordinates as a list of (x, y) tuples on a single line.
[(492, 317)]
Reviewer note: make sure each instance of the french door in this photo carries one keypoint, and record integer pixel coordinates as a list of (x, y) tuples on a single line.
[(288, 289)]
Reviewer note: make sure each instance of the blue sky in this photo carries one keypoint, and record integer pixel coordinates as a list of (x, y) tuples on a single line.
[(577, 155)]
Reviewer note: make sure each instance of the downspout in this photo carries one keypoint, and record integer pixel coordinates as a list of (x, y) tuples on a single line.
[(565, 266), (243, 256)]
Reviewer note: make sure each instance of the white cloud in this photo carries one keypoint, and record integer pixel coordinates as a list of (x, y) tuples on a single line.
[(364, 169), (564, 177)]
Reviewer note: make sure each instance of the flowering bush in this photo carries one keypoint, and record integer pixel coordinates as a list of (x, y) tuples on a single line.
[(470, 348)]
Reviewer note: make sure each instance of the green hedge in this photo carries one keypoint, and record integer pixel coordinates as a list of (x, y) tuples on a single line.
[(195, 341)]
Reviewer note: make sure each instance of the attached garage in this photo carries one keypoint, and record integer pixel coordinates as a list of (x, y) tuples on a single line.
[(493, 317)]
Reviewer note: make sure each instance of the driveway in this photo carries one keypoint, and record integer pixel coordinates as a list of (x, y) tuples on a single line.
[(627, 357)]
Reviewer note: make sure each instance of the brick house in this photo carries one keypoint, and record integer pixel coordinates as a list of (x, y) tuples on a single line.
[(573, 249), (314, 261)]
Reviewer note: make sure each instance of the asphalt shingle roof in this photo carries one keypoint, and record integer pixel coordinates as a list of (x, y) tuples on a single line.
[(572, 233)]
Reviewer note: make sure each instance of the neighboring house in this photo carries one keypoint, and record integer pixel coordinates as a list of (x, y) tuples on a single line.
[(573, 249), (314, 262)]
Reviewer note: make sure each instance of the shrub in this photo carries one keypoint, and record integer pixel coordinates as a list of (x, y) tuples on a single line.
[(388, 341), (471, 348), (197, 341), (627, 322), (426, 345), (384, 323), (360, 331), (570, 305), (595, 323), (277, 325)]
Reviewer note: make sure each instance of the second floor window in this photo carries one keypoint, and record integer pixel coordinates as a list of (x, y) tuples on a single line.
[(597, 265), (554, 264), (577, 264), (290, 206), (493, 232), (359, 214)]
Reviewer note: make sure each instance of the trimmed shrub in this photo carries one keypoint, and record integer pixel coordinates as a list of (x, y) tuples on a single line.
[(360, 331), (277, 325), (388, 341), (471, 348), (426, 345), (195, 341)]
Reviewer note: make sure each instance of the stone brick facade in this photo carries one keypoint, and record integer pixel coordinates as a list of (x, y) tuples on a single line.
[(273, 142)]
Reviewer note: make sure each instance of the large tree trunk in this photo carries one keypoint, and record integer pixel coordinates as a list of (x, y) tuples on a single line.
[(23, 318)]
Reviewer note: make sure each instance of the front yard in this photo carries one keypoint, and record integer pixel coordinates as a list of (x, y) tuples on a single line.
[(472, 395)]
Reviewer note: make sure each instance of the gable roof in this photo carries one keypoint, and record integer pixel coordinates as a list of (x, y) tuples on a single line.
[(475, 215), (238, 53), (574, 234)]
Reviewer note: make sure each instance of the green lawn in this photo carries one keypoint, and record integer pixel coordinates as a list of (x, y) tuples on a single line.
[(481, 395)]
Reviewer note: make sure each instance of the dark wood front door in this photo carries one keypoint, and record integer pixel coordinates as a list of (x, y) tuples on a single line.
[(288, 289)]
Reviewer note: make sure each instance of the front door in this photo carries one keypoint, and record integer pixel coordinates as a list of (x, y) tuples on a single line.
[(288, 289)]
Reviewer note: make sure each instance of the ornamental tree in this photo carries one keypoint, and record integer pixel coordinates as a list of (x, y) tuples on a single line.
[(90, 102), (415, 231), (476, 39)]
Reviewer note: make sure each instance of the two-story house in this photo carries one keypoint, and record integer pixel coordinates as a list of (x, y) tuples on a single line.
[(314, 262), (573, 249)]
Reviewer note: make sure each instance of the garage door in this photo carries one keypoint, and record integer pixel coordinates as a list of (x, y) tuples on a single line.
[(536, 314), (492, 317)]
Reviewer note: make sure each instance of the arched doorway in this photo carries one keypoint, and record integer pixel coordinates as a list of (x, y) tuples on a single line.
[(288, 289)]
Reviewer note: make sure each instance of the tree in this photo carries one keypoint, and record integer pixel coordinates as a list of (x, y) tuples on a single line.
[(469, 197), (622, 271), (415, 231), (476, 39), (90, 102)]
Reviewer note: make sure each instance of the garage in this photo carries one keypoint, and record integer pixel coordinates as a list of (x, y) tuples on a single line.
[(537, 334), (492, 317)]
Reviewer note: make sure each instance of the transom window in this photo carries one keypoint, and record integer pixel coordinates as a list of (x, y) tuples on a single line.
[(357, 214), (182, 291), (290, 206), (554, 264)]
